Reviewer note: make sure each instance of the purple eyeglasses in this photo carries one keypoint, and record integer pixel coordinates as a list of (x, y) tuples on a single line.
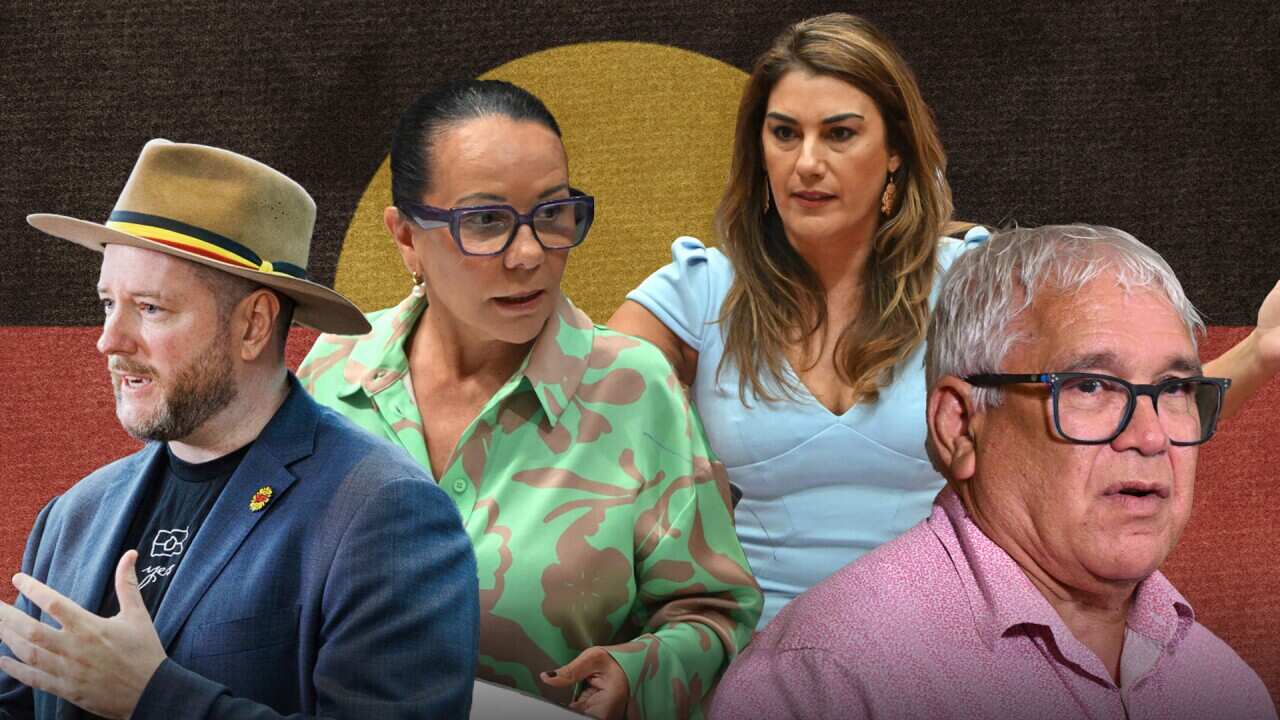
[(487, 230)]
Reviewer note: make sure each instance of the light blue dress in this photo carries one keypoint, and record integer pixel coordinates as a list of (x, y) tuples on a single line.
[(819, 489)]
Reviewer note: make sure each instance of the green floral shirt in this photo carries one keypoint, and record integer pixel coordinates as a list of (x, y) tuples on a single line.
[(598, 513)]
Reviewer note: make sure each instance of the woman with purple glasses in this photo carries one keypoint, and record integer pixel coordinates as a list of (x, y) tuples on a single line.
[(611, 578)]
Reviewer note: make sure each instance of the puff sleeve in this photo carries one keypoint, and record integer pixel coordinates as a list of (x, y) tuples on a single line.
[(687, 293)]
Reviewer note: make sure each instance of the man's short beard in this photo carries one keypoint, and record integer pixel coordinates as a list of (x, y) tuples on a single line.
[(198, 391)]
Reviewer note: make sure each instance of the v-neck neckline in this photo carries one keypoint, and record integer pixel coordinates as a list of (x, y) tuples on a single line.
[(812, 399)]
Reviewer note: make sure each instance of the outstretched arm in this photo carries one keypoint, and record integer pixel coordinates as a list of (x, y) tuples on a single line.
[(1252, 362)]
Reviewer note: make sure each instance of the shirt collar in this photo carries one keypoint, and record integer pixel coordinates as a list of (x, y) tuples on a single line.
[(1002, 597), (559, 357), (1159, 611), (553, 368), (378, 358)]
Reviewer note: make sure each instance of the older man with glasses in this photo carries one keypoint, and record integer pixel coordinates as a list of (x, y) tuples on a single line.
[(1065, 409)]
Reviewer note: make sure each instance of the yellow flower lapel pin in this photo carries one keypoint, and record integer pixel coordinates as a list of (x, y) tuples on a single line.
[(260, 498)]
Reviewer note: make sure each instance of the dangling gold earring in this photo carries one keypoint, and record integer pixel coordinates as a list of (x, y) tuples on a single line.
[(768, 193), (886, 201), (419, 286)]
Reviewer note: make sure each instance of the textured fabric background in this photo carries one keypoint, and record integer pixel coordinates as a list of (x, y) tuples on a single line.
[(1160, 118)]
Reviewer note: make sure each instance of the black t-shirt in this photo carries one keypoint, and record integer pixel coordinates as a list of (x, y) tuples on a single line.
[(166, 522)]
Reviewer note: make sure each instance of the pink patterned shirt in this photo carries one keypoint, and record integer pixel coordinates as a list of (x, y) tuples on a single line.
[(941, 623)]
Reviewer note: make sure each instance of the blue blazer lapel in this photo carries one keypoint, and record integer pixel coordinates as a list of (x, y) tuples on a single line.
[(288, 437), (109, 525)]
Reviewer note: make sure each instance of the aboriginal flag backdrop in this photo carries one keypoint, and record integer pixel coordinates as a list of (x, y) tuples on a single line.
[(1159, 118)]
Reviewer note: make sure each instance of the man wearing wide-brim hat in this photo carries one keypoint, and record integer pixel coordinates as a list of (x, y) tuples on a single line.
[(260, 556)]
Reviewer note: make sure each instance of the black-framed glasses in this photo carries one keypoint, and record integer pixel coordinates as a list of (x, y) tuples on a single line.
[(489, 229), (1093, 409)]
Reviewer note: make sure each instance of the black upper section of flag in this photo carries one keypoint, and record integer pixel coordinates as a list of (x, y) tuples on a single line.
[(1159, 118)]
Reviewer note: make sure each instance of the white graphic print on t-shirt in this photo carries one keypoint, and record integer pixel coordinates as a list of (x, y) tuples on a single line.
[(167, 544)]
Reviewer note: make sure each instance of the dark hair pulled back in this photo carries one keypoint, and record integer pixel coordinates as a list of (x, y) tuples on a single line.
[(424, 121)]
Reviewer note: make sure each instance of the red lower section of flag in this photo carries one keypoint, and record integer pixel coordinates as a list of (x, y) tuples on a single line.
[(60, 425)]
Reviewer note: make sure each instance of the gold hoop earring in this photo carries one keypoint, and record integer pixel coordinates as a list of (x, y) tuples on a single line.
[(886, 200), (419, 286)]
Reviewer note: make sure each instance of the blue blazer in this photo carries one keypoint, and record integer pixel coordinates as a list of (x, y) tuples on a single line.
[(351, 594)]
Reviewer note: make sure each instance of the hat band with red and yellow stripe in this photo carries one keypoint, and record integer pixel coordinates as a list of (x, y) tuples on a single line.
[(198, 241)]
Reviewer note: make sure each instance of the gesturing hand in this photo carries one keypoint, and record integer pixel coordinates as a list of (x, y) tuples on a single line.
[(605, 690), (99, 664)]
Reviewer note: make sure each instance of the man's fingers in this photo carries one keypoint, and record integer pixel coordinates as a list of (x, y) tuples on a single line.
[(9, 613), (26, 650), (29, 676), (18, 627), (127, 583), (66, 612)]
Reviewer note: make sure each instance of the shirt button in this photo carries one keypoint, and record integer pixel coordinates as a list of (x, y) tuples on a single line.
[(459, 486)]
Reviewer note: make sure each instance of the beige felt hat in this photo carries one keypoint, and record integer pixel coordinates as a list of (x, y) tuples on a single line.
[(223, 210)]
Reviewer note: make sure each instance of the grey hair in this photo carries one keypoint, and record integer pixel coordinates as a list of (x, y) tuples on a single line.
[(972, 327)]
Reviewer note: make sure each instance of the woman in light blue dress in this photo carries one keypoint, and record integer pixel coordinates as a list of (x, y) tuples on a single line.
[(802, 338), (802, 341)]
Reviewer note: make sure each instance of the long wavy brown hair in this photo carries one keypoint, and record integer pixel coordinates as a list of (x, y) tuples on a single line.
[(775, 300)]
